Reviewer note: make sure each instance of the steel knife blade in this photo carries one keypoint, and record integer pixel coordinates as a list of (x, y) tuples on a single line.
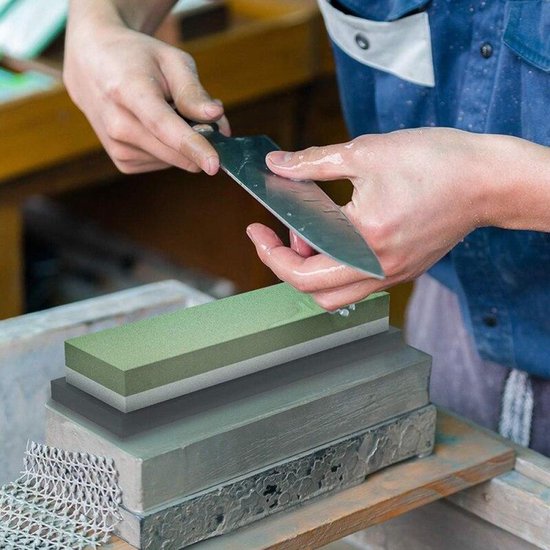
[(300, 205)]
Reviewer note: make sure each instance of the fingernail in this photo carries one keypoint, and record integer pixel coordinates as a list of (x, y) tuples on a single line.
[(212, 165), (213, 109), (280, 158), (250, 233)]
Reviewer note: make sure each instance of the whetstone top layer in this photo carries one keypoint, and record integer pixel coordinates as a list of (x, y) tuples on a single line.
[(191, 347)]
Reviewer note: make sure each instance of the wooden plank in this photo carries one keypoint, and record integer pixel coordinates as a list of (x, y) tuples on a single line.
[(437, 526), (515, 503), (41, 130), (528, 462), (232, 65), (533, 465), (464, 456), (11, 265)]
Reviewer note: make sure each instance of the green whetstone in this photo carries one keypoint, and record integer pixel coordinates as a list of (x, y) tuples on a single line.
[(139, 364)]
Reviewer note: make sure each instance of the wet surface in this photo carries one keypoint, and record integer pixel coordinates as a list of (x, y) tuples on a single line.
[(301, 205)]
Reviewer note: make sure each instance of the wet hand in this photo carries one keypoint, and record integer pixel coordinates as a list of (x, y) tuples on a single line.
[(416, 194), (126, 85)]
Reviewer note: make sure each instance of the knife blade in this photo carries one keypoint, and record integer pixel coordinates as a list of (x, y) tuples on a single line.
[(300, 205)]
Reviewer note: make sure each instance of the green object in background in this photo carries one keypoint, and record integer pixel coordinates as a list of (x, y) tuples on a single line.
[(151, 361), (4, 4), (27, 27), (14, 85)]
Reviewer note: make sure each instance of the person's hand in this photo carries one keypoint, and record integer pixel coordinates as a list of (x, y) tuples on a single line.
[(416, 194), (127, 83)]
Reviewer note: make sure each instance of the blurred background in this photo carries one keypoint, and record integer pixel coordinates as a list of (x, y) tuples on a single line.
[(73, 227)]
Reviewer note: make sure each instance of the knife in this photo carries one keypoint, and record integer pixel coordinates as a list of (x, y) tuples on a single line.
[(301, 205)]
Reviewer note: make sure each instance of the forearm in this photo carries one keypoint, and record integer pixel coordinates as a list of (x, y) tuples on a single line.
[(518, 179), (140, 15)]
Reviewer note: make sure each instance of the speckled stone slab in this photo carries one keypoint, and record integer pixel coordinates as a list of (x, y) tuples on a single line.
[(342, 464), (249, 423), (147, 362)]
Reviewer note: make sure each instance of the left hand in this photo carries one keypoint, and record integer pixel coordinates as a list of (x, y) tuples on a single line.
[(416, 194)]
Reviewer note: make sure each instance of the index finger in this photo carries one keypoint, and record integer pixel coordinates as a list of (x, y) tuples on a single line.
[(148, 104)]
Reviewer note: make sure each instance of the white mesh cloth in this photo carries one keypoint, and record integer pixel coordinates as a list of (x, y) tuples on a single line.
[(63, 500)]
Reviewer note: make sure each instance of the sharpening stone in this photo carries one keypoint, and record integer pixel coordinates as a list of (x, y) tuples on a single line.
[(279, 487), (143, 363), (238, 427)]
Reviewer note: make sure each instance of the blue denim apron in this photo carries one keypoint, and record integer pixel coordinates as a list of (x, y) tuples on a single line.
[(491, 67)]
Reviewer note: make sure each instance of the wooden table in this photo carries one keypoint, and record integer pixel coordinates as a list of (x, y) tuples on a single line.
[(48, 146), (464, 456)]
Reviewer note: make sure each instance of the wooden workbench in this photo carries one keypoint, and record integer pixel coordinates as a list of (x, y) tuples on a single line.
[(402, 506), (464, 456), (48, 146)]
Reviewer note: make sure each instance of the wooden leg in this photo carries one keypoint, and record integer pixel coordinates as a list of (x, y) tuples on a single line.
[(11, 260)]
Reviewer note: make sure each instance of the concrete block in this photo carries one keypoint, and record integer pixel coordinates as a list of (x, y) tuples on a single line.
[(339, 465), (31, 354)]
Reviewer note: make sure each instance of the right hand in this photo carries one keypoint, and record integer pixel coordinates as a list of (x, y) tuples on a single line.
[(126, 82)]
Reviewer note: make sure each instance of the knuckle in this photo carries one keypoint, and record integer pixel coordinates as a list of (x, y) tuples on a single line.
[(311, 153), (188, 60), (155, 126), (68, 82), (114, 90), (121, 153), (379, 231), (116, 128), (394, 263)]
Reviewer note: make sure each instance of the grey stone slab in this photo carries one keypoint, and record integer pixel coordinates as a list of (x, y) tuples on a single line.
[(255, 422), (31, 354), (339, 465)]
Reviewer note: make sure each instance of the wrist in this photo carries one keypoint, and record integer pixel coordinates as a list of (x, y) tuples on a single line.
[(88, 18), (516, 177), (143, 16)]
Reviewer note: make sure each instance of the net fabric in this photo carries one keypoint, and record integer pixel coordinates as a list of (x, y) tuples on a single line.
[(63, 500)]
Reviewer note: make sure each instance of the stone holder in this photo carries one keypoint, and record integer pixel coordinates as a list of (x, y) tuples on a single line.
[(245, 425), (342, 464)]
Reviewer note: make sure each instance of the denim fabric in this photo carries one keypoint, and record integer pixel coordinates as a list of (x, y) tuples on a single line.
[(502, 277), (461, 380)]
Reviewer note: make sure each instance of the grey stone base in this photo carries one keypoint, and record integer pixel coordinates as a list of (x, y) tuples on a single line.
[(342, 464)]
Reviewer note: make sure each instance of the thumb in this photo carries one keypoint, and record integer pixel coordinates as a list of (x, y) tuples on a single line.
[(316, 163), (188, 94)]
